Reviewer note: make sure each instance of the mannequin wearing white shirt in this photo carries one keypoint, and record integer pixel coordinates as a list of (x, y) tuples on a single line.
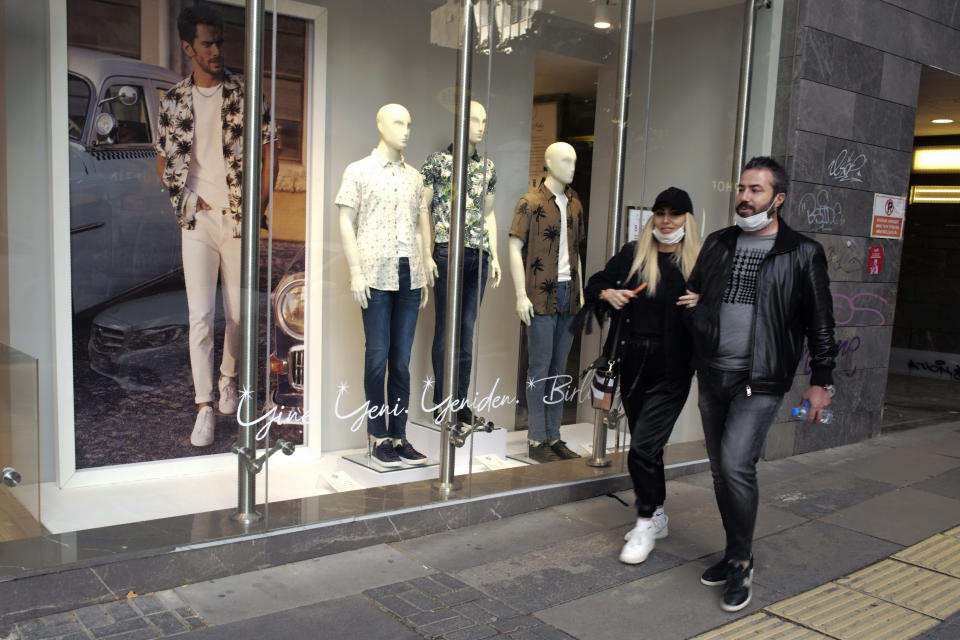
[(542, 222), (384, 240)]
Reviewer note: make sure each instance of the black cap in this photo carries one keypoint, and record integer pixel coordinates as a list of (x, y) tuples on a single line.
[(678, 199)]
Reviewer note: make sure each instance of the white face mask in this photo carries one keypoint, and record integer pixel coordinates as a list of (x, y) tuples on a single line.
[(756, 222), (672, 238)]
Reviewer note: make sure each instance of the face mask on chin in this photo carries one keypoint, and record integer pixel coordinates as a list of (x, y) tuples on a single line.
[(756, 222), (672, 238)]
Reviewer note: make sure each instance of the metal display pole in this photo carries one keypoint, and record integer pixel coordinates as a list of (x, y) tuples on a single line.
[(599, 458), (250, 259), (743, 95), (455, 261)]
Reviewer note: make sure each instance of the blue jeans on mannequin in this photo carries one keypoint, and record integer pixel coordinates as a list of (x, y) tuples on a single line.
[(475, 262), (735, 427), (389, 323), (548, 345)]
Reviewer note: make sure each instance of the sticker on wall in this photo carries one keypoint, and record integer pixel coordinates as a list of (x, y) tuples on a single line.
[(636, 219), (875, 261), (888, 214)]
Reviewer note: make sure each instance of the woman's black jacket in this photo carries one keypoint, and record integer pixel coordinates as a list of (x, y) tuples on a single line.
[(676, 339)]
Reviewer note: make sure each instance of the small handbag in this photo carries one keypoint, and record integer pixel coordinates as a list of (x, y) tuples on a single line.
[(603, 387)]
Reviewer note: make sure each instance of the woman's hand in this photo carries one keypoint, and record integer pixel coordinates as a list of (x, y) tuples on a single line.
[(688, 300), (616, 298)]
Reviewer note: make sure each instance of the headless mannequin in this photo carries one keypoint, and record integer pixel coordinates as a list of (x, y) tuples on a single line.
[(561, 162), (393, 124)]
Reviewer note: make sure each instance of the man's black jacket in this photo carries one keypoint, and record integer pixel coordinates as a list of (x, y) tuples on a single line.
[(793, 300)]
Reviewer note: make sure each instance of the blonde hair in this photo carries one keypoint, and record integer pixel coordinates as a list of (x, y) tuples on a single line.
[(645, 258)]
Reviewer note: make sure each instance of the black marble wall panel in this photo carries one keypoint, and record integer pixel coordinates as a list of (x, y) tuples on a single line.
[(788, 31), (858, 348), (883, 123), (847, 430), (828, 59), (828, 209), (49, 593), (864, 304), (945, 11), (839, 162), (901, 80), (886, 27), (825, 109)]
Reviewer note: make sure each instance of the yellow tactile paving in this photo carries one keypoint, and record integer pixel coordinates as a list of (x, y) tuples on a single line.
[(955, 532), (848, 615), (940, 553), (761, 626), (907, 585)]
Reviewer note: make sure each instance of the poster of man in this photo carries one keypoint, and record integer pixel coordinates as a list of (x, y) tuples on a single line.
[(156, 123)]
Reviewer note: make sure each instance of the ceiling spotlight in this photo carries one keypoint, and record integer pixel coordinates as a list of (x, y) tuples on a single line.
[(603, 17), (937, 120)]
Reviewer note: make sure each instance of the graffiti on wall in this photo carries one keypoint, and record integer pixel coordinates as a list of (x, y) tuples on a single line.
[(820, 212), (862, 309), (845, 350), (847, 167), (939, 367)]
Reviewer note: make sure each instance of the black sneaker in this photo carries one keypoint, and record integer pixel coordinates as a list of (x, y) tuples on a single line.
[(408, 454), (542, 453), (385, 454), (737, 592), (716, 575), (560, 448)]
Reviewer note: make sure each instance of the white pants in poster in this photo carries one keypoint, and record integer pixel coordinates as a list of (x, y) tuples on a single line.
[(210, 249)]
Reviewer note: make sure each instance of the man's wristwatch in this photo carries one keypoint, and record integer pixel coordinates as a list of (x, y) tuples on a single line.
[(832, 390)]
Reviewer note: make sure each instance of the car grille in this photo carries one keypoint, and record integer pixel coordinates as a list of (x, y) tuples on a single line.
[(295, 367), (106, 339)]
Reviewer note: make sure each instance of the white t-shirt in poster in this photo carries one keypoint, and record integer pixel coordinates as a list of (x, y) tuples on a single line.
[(208, 175)]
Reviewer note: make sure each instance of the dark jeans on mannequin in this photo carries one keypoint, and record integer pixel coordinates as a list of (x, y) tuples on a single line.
[(475, 263), (389, 323)]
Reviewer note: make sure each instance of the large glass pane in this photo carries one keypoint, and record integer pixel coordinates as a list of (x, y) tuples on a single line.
[(19, 446)]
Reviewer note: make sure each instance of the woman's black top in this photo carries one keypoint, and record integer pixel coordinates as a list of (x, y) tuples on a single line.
[(646, 316)]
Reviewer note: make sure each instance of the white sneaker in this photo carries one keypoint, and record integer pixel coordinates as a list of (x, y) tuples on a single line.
[(639, 546), (660, 528), (202, 435), (228, 396)]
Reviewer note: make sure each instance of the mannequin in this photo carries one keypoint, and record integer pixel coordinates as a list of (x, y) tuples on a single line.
[(480, 250), (384, 240), (545, 237)]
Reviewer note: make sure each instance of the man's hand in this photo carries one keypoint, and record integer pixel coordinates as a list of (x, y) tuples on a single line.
[(202, 204), (495, 272), (359, 289), (688, 300), (423, 296), (819, 399), (525, 309)]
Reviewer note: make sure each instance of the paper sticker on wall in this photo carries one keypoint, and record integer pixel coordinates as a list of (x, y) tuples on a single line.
[(888, 215), (636, 219), (875, 261)]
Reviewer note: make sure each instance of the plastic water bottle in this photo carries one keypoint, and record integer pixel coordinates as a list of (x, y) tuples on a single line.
[(801, 413)]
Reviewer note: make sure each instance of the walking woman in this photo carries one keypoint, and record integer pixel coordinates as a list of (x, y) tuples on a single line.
[(653, 350)]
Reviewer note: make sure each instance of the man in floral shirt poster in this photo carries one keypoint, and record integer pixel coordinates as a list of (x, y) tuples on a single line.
[(199, 160)]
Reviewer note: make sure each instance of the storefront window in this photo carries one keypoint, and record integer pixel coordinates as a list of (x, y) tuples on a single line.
[(356, 236)]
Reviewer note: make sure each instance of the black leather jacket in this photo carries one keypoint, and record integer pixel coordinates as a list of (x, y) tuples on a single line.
[(793, 302)]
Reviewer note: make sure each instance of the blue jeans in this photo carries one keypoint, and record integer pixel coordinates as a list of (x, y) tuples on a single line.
[(548, 345), (474, 260), (735, 426), (389, 322)]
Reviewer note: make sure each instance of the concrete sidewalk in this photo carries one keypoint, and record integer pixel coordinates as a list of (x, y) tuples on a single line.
[(554, 573)]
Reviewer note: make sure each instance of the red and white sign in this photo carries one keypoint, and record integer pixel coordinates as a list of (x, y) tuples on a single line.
[(875, 261), (888, 216)]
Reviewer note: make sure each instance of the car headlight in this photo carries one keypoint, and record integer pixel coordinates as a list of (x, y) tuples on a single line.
[(289, 305)]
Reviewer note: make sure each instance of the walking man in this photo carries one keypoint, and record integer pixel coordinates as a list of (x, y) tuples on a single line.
[(199, 160), (758, 289)]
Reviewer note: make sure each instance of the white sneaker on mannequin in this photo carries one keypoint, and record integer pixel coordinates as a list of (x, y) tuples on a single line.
[(228, 396)]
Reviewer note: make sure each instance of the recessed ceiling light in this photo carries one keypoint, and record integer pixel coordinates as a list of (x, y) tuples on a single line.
[(603, 18), (942, 121)]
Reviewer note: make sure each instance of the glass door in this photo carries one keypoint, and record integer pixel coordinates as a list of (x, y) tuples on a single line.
[(19, 446)]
